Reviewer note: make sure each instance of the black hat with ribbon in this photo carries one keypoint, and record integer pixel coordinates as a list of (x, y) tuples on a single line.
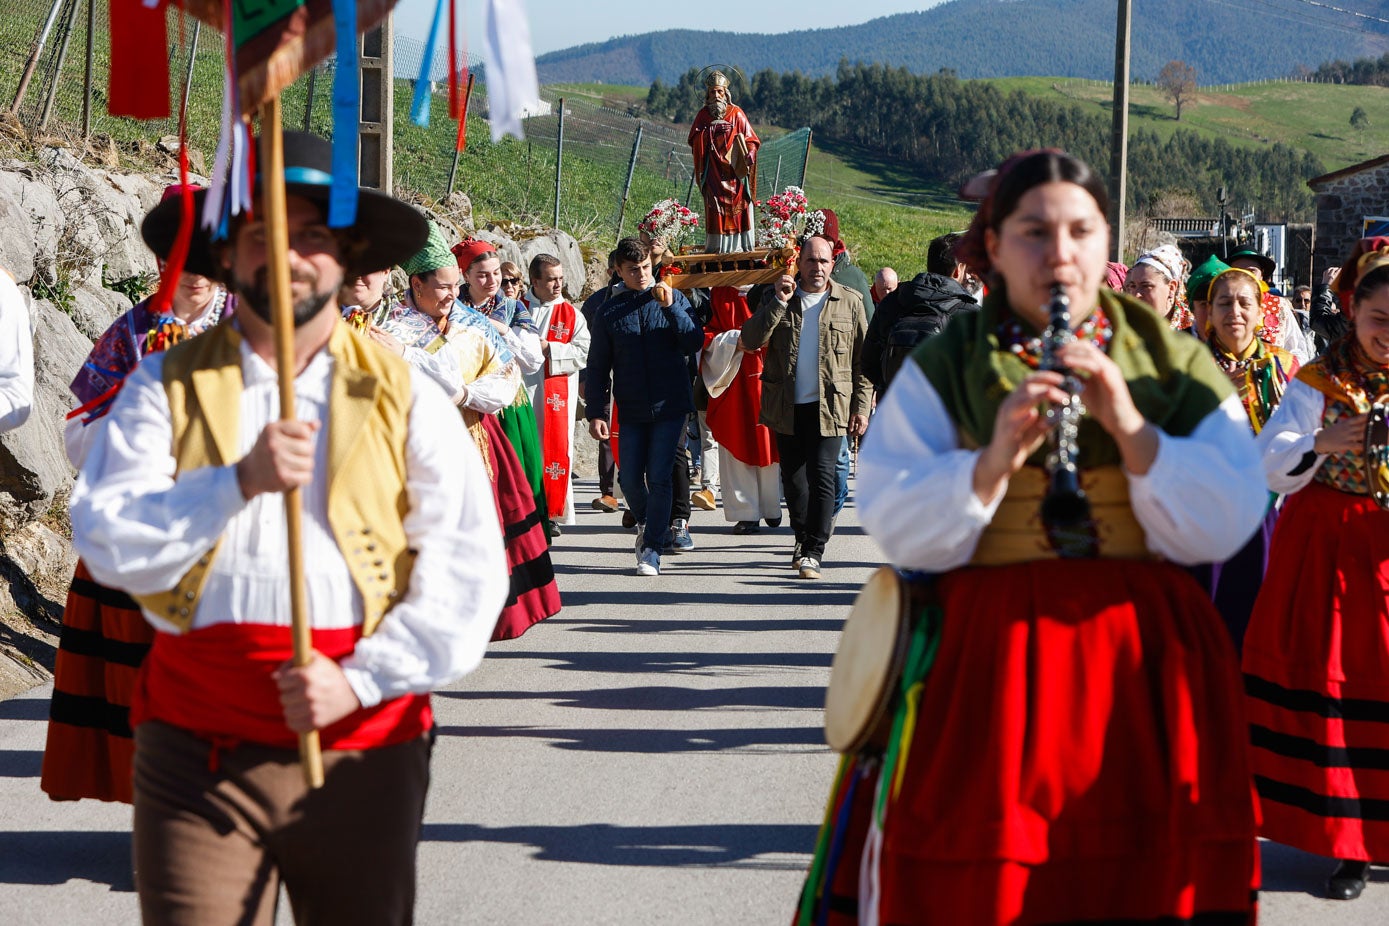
[(390, 230)]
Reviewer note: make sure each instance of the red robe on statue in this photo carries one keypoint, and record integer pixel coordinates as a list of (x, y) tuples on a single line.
[(726, 196), (732, 417)]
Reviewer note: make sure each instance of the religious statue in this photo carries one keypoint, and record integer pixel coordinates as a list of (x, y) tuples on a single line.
[(725, 164)]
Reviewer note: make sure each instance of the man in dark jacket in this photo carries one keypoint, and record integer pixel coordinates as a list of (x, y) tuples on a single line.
[(639, 340), (915, 311)]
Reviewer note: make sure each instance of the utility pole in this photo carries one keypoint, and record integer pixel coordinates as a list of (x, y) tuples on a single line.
[(376, 108), (1119, 137)]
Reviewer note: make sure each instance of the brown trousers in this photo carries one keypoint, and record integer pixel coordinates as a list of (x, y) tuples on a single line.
[(211, 847)]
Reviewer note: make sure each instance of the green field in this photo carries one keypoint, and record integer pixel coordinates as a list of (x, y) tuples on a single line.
[(1311, 117), (887, 215)]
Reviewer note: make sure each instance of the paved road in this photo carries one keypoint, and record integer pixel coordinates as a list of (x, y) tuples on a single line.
[(650, 755)]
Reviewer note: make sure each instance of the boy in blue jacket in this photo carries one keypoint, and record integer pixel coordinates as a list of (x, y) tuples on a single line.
[(639, 341)]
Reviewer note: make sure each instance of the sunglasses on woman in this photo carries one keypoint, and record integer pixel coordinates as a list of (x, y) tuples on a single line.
[(510, 281)]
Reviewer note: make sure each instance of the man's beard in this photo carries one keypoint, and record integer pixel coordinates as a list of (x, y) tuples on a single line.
[(717, 107), (256, 296)]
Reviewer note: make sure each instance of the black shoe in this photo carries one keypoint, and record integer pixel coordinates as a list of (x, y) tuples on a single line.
[(1348, 880), (745, 527), (629, 520), (774, 522)]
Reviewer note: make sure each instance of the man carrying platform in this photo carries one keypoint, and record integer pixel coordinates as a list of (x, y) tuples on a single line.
[(179, 504)]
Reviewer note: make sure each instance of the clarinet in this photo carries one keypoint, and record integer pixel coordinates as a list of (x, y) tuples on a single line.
[(1065, 509)]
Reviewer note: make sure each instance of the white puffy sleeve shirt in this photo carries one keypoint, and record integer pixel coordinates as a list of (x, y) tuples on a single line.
[(139, 527), (1285, 443), (16, 356), (1199, 502)]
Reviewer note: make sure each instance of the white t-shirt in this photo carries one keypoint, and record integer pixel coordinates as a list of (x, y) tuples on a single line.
[(808, 360)]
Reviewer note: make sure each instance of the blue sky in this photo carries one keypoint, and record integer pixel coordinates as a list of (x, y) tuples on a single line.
[(557, 24)]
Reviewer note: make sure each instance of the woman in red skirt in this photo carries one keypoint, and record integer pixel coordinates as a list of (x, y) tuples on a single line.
[(1076, 754), (1316, 658)]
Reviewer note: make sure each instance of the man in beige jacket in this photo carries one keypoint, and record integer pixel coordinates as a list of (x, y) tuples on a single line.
[(814, 390)]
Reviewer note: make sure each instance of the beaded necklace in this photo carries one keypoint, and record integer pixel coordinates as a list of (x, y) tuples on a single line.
[(1027, 347)]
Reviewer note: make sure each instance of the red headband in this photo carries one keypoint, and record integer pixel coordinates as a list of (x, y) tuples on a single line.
[(470, 251)]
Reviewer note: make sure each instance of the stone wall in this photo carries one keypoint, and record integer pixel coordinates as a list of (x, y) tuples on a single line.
[(1342, 204)]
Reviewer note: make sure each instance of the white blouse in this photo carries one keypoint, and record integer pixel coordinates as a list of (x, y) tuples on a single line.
[(1285, 443), (16, 356), (139, 527), (1200, 501)]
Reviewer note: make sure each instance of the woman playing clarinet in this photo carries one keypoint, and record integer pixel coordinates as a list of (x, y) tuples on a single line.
[(1077, 751)]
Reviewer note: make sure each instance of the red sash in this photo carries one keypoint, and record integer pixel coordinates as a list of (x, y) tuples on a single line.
[(555, 437)]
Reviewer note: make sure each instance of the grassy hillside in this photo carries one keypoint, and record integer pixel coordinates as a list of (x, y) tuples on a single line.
[(886, 215), (1312, 117)]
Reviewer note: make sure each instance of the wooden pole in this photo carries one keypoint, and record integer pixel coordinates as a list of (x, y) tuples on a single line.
[(1119, 131), (272, 159)]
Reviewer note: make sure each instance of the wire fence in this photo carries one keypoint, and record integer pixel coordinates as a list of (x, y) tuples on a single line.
[(612, 165)]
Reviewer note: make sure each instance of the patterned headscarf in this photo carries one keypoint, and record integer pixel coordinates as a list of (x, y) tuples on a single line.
[(1169, 260), (432, 256)]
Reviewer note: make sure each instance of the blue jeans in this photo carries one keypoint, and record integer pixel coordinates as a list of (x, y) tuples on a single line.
[(841, 477), (646, 456)]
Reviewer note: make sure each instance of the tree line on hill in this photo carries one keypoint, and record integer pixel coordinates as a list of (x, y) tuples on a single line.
[(949, 130), (992, 38), (1367, 72)]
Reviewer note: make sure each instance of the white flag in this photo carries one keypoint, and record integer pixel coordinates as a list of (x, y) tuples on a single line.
[(513, 89)]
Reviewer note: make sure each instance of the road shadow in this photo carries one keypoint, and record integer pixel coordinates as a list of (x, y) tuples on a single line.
[(20, 763), (662, 663), (807, 594), (24, 709), (664, 698), (751, 741), (711, 625), (60, 856), (734, 845)]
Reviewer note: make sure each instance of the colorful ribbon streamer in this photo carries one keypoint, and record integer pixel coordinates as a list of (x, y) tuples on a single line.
[(347, 90)]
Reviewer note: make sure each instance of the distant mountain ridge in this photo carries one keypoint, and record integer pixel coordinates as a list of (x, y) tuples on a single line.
[(1228, 42)]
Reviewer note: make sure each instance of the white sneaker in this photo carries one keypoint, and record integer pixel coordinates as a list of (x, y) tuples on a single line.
[(809, 567), (648, 562)]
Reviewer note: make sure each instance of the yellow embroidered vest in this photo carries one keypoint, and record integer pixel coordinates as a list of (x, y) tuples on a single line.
[(1016, 535), (368, 416)]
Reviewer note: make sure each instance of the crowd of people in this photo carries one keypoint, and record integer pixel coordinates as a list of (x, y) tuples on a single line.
[(1096, 736)]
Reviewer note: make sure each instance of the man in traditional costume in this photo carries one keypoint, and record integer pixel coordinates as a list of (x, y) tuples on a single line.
[(724, 147), (179, 504), (16, 356), (1280, 327), (470, 356), (554, 388), (105, 637)]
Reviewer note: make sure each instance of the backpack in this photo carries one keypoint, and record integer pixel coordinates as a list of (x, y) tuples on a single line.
[(902, 339)]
